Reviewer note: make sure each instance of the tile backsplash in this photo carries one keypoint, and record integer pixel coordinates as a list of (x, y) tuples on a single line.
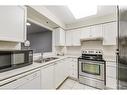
[(108, 50), (92, 45)]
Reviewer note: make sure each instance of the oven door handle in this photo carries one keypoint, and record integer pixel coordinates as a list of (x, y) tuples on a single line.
[(92, 62)]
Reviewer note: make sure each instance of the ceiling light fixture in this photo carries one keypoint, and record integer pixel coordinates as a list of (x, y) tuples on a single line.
[(80, 11), (28, 24)]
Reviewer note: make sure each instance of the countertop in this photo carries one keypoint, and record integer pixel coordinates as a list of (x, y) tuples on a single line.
[(18, 71)]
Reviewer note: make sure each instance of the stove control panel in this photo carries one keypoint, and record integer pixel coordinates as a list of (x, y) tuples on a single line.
[(92, 52)]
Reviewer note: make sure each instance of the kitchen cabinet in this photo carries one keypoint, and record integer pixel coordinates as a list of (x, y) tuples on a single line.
[(91, 32), (33, 84), (73, 37), (47, 77), (96, 31), (85, 32), (109, 33), (13, 23), (69, 38), (59, 37), (59, 70), (76, 38), (111, 81), (53, 75), (27, 81), (73, 67)]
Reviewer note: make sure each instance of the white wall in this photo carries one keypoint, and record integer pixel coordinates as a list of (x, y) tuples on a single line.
[(9, 45)]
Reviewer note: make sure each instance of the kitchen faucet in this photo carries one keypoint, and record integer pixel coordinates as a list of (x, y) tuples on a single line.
[(40, 51), (42, 55)]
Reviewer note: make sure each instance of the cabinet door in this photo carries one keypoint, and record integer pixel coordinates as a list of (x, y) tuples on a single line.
[(29, 80), (59, 37), (12, 22), (69, 38), (111, 83), (76, 37), (109, 33), (85, 32), (47, 77), (73, 71), (32, 84), (96, 31), (62, 37), (60, 73)]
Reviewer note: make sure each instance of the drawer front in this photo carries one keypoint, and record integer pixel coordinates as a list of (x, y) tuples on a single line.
[(16, 82)]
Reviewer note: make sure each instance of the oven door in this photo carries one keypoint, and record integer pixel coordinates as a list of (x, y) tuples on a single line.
[(92, 69)]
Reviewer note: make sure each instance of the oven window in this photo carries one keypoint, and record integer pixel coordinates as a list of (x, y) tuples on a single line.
[(91, 68)]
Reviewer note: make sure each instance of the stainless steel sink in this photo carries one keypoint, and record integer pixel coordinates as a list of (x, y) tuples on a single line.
[(45, 59)]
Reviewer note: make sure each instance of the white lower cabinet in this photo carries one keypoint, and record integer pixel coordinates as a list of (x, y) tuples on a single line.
[(111, 81), (47, 77), (73, 71), (59, 70), (33, 84), (29, 81)]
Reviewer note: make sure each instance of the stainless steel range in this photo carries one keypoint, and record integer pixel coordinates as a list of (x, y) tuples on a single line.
[(92, 69)]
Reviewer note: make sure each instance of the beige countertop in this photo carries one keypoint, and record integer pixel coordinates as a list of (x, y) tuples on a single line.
[(109, 58)]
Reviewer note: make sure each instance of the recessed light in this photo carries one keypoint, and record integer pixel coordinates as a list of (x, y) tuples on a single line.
[(28, 24)]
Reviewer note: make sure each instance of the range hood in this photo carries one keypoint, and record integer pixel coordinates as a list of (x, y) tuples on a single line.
[(92, 39)]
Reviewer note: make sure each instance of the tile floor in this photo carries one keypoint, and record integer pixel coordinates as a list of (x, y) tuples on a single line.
[(70, 84)]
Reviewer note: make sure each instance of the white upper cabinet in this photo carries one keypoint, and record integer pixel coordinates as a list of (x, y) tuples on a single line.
[(69, 38), (96, 31), (59, 37), (76, 38), (13, 23), (85, 32), (109, 33), (91, 32), (73, 37)]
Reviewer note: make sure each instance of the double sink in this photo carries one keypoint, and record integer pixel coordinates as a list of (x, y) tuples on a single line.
[(40, 60)]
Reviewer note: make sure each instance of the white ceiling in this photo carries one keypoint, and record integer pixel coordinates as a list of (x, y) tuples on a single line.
[(64, 14)]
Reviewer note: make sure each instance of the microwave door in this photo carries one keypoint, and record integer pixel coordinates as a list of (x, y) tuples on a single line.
[(18, 58), (5, 60)]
